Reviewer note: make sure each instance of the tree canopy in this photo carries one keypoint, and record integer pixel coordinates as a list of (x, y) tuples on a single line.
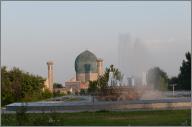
[(57, 85), (17, 85), (102, 82), (157, 78), (184, 77)]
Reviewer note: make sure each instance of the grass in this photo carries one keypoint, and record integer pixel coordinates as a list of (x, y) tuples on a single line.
[(102, 118)]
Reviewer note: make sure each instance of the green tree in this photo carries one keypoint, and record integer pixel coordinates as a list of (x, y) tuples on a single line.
[(57, 85), (17, 85), (46, 94), (157, 78), (172, 80), (92, 87), (184, 77), (82, 92), (6, 92), (100, 85), (15, 76)]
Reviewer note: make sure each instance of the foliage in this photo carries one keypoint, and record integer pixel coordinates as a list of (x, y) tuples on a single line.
[(157, 78), (183, 80), (83, 92), (68, 93), (102, 82), (46, 94), (172, 80), (17, 85), (21, 115), (58, 94), (6, 86), (57, 85), (117, 74), (184, 77), (92, 87)]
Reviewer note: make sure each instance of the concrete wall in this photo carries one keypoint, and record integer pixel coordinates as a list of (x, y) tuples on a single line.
[(75, 86), (95, 107)]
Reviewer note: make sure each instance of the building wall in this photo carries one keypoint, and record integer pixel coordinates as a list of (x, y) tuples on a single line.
[(75, 86), (84, 85), (84, 77)]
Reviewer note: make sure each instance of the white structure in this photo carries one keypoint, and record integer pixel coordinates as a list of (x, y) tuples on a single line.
[(130, 81), (111, 79), (118, 83), (144, 78), (124, 81)]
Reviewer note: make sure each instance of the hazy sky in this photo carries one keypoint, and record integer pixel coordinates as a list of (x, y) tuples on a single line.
[(34, 32)]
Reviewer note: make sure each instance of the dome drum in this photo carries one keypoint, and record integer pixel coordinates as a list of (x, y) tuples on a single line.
[(86, 62)]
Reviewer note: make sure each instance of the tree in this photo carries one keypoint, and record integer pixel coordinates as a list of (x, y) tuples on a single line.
[(82, 92), (173, 80), (184, 77), (100, 85), (157, 78), (17, 85), (57, 85), (92, 87), (46, 94), (6, 93)]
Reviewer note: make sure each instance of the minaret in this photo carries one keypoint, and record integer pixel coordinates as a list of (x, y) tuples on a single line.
[(50, 75), (100, 67)]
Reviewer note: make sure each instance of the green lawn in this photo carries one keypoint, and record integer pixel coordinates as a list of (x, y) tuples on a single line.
[(105, 118)]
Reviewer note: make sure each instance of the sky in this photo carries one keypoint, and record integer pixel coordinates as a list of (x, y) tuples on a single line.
[(35, 32)]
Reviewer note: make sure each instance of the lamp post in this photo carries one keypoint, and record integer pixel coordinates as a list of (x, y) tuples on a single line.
[(173, 85)]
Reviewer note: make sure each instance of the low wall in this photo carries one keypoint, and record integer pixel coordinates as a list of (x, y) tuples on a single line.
[(95, 107)]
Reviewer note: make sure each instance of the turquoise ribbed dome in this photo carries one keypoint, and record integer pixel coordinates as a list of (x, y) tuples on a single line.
[(86, 62)]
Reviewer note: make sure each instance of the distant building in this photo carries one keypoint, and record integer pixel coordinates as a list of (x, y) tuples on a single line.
[(88, 67), (73, 86)]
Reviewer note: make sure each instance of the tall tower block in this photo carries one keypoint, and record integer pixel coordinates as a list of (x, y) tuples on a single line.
[(100, 66), (50, 75)]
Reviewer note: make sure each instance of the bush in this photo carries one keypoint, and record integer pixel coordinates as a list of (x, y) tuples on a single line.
[(21, 115), (17, 85), (46, 94), (58, 94), (83, 92), (103, 110)]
